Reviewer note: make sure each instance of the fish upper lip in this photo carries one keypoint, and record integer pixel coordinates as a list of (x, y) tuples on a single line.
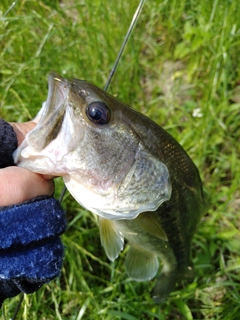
[(55, 76), (57, 86)]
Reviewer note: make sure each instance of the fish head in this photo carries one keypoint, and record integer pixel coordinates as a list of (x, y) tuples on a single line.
[(89, 138)]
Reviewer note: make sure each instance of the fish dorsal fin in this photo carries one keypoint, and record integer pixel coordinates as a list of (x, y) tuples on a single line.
[(111, 239), (141, 265), (149, 223)]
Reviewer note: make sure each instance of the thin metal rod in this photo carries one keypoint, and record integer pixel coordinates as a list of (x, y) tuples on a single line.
[(114, 68), (64, 189), (130, 29), (18, 306), (10, 8)]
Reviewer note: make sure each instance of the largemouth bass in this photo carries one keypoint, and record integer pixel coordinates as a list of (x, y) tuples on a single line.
[(122, 166)]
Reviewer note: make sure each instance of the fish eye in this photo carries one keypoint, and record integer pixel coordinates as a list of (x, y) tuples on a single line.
[(98, 112)]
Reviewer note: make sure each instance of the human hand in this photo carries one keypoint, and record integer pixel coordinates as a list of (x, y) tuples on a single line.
[(31, 222), (18, 184)]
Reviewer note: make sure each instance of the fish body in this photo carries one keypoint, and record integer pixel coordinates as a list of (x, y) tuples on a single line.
[(125, 168)]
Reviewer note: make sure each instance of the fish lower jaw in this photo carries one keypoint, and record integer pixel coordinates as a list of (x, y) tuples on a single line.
[(42, 166)]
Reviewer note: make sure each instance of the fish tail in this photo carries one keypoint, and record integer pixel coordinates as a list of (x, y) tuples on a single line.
[(165, 284), (167, 281)]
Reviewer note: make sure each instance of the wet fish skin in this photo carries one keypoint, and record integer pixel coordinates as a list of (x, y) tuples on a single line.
[(178, 217), (98, 161)]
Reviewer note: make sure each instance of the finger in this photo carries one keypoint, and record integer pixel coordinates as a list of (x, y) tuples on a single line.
[(21, 129), (19, 184)]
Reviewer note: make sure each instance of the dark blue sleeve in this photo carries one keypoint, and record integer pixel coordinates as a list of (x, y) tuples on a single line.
[(31, 252), (8, 143)]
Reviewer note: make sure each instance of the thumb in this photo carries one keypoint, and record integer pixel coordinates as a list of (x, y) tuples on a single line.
[(19, 184)]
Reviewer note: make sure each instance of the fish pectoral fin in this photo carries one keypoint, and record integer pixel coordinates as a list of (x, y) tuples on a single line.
[(111, 239), (141, 265), (146, 186), (149, 223)]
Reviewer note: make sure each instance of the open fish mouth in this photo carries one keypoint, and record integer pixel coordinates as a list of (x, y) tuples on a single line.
[(82, 134), (52, 113), (45, 146)]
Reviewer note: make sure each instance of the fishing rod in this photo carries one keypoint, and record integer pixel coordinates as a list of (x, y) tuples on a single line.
[(111, 74)]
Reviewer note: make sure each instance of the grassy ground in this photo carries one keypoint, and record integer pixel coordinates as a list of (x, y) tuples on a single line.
[(181, 68)]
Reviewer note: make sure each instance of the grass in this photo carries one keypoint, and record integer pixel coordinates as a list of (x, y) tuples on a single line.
[(181, 67)]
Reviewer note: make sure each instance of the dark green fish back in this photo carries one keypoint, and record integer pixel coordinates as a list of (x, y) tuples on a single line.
[(180, 215)]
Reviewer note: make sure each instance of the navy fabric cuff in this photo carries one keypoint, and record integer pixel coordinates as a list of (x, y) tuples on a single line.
[(30, 246), (43, 261), (31, 251), (31, 221)]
